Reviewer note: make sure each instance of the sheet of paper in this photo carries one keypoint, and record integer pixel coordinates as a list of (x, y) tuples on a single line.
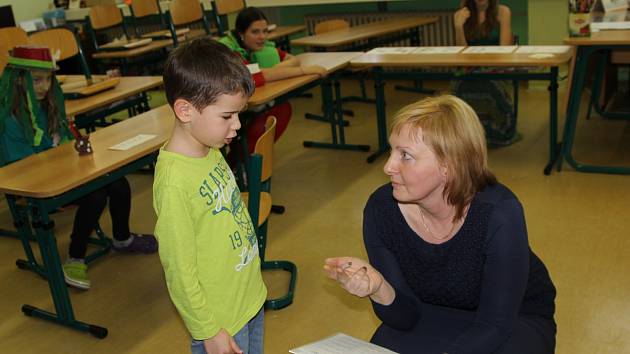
[(438, 50), (392, 50), (491, 49), (341, 344), (612, 5), (131, 142), (598, 26), (535, 49)]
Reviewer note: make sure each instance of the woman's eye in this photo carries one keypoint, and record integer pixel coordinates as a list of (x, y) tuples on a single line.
[(406, 156)]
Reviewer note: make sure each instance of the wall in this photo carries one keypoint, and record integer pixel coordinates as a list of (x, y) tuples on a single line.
[(548, 21), (27, 9)]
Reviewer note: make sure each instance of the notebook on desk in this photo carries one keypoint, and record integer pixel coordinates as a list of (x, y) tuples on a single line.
[(82, 88), (125, 44), (164, 34)]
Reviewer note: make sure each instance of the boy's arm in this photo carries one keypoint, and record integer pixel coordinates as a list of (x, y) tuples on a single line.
[(178, 254)]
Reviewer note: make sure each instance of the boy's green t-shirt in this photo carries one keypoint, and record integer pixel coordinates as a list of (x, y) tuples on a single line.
[(208, 246)]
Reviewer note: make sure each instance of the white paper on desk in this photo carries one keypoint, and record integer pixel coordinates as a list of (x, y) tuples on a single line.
[(131, 142), (438, 50), (612, 5), (597, 26), (392, 50), (490, 49), (536, 49), (341, 344)]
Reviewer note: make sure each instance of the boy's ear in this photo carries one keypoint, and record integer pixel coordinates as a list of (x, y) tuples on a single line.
[(183, 109)]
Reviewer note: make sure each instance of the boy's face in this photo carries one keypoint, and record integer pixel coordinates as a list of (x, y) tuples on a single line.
[(216, 125)]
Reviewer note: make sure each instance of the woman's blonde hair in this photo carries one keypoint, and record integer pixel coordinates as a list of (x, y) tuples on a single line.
[(451, 129)]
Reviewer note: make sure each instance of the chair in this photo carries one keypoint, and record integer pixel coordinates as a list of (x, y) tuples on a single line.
[(258, 200), (146, 16), (9, 38), (185, 13), (105, 21), (331, 25), (67, 44), (12, 36), (64, 42), (221, 9)]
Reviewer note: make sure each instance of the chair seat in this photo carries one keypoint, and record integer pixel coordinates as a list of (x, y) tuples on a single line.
[(265, 206)]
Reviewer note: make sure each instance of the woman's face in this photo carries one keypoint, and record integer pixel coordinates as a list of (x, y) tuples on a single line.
[(41, 82), (413, 168), (255, 35)]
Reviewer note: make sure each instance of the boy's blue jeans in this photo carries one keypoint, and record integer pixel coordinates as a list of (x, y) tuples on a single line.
[(249, 338)]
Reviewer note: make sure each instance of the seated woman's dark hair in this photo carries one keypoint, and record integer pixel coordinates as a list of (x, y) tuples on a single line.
[(246, 17)]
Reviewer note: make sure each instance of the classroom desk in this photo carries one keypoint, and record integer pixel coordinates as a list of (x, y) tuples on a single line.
[(417, 61), (45, 186), (603, 41), (155, 45), (281, 34), (370, 32), (283, 90), (127, 87)]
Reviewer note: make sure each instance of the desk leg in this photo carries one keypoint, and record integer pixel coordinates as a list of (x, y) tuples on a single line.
[(381, 119), (414, 39), (554, 147), (579, 76), (333, 113), (52, 266), (21, 222)]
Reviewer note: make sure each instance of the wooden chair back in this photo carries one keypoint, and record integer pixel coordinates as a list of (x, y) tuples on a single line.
[(57, 39), (331, 25), (264, 147), (185, 11), (105, 16), (142, 8), (224, 7)]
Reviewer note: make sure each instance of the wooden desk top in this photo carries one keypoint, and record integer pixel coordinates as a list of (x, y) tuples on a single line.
[(60, 169), (608, 37), (357, 33), (332, 61), (130, 53), (459, 59), (128, 86), (282, 31), (272, 90)]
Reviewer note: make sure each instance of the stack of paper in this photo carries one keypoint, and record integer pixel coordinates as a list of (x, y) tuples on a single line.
[(491, 49), (392, 50), (341, 344), (536, 49), (438, 50)]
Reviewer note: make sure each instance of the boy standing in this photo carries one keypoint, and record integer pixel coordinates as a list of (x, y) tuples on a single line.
[(208, 246)]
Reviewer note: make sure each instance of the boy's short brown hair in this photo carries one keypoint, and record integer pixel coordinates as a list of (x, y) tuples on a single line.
[(202, 70)]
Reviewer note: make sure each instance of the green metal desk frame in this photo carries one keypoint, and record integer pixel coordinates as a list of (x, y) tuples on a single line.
[(583, 53), (39, 210)]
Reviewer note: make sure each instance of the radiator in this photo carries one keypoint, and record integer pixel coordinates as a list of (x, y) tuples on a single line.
[(440, 33)]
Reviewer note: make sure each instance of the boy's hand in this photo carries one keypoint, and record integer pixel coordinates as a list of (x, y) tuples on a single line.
[(461, 16), (221, 343)]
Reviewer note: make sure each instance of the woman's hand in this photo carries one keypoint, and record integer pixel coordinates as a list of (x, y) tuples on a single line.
[(315, 69), (355, 275), (460, 17), (221, 343)]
